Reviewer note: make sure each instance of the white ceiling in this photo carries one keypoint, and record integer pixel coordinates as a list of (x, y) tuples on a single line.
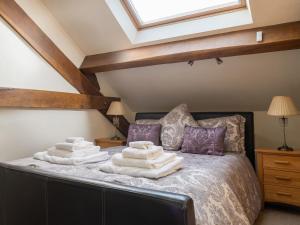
[(241, 83), (93, 27)]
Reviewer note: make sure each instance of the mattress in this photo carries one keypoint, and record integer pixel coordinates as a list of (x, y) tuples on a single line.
[(225, 189)]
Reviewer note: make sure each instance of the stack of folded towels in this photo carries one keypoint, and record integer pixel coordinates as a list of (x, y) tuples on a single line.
[(143, 159), (74, 151)]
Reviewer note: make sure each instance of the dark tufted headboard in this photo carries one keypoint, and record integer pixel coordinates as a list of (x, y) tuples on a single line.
[(249, 126)]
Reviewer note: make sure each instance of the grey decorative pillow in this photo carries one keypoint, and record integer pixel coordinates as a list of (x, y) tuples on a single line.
[(173, 125), (235, 133), (147, 121), (140, 132), (209, 141)]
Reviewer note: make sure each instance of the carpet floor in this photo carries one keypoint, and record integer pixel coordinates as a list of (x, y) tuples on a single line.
[(279, 216)]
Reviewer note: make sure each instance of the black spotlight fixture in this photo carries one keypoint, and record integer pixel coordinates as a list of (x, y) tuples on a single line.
[(219, 61), (191, 62)]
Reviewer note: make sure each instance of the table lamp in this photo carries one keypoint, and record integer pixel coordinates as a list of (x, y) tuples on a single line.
[(115, 110), (283, 106)]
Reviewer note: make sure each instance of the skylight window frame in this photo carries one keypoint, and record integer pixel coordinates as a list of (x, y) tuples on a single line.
[(134, 16)]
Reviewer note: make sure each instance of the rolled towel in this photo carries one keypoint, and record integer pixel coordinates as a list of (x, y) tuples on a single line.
[(166, 170), (99, 157), (162, 160), (68, 154), (151, 153), (74, 139), (141, 144), (74, 146)]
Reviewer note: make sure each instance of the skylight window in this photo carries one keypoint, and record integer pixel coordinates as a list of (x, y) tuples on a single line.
[(149, 13)]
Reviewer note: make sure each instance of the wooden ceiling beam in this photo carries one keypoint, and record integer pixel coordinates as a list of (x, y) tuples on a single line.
[(93, 79), (15, 16), (275, 38), (27, 98)]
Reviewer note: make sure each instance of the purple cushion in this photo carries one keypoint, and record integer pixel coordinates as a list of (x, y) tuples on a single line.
[(200, 140), (144, 132)]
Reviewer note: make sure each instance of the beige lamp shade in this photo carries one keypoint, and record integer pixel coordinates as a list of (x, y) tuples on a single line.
[(282, 106), (115, 109)]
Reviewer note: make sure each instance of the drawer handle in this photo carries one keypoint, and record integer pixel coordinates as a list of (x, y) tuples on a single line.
[(282, 162), (283, 178), (284, 194)]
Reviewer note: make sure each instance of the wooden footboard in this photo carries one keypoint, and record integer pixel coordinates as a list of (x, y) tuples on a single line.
[(30, 197)]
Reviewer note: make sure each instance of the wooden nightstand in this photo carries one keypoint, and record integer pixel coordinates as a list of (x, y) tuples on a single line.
[(107, 142), (279, 175)]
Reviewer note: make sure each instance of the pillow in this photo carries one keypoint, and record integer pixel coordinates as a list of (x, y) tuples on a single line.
[(209, 141), (173, 125), (147, 121), (235, 133), (140, 132)]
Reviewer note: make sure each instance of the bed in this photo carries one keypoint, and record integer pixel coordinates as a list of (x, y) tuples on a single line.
[(209, 190)]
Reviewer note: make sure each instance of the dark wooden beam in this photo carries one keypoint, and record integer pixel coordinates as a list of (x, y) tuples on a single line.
[(15, 16), (93, 79), (275, 38), (26, 98)]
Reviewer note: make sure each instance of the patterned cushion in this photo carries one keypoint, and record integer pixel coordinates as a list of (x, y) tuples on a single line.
[(173, 125), (209, 141), (147, 121), (235, 133), (140, 132)]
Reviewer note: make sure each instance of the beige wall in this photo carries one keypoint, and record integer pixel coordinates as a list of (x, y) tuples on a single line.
[(268, 131), (45, 20), (25, 131)]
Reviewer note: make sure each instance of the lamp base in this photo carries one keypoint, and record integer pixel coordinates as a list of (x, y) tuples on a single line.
[(285, 148)]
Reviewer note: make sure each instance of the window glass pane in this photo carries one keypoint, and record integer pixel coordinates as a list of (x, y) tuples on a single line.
[(157, 10)]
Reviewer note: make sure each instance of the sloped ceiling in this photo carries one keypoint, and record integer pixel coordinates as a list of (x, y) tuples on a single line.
[(93, 27), (241, 83)]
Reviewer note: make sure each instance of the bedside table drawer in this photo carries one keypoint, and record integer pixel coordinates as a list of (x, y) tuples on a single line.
[(282, 162), (282, 194), (284, 178)]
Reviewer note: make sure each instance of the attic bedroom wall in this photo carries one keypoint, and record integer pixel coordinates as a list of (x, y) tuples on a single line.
[(241, 83), (26, 131)]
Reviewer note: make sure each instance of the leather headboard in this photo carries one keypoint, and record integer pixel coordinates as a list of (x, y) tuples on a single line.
[(249, 126)]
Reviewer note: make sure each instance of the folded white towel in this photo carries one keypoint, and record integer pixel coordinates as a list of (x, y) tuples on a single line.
[(162, 160), (74, 146), (101, 156), (67, 154), (74, 139), (141, 144), (151, 153), (166, 170)]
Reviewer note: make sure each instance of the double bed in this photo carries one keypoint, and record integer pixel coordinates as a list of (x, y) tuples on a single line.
[(208, 190)]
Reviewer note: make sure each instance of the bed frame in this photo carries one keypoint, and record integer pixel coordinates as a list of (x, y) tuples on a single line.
[(31, 197)]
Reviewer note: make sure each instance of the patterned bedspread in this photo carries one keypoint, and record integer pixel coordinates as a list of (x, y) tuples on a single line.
[(225, 189)]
